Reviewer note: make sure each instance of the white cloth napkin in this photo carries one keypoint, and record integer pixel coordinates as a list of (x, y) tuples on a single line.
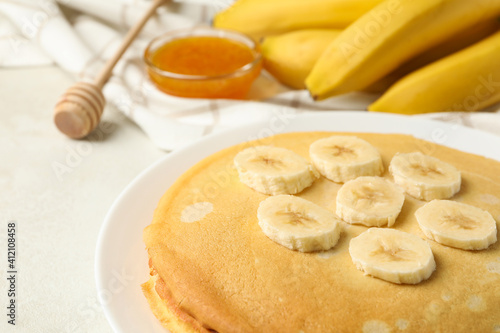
[(34, 33)]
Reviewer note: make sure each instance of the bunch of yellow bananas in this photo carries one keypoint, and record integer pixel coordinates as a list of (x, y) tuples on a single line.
[(424, 55)]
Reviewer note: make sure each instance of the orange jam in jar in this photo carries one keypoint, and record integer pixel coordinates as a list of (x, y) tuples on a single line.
[(204, 63)]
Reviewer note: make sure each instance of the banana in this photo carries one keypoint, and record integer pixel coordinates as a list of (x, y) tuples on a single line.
[(464, 81), (371, 201), (342, 158), (425, 177), (389, 35), (273, 170), (298, 224), (259, 18), (392, 255), (454, 44), (291, 56), (457, 224)]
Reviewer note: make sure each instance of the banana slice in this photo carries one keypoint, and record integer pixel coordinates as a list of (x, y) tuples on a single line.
[(371, 201), (457, 224), (342, 158), (273, 170), (392, 255), (298, 224), (425, 177)]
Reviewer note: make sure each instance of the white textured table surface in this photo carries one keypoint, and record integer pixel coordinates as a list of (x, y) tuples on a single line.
[(58, 192)]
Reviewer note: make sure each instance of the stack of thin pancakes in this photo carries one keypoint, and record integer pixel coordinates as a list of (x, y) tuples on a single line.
[(213, 269)]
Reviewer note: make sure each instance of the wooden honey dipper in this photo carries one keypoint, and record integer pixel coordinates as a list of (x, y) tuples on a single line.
[(80, 108)]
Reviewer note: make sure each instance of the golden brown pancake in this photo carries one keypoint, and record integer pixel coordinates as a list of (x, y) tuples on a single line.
[(214, 269)]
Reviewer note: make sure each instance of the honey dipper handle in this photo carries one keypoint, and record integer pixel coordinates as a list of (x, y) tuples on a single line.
[(79, 109), (105, 73)]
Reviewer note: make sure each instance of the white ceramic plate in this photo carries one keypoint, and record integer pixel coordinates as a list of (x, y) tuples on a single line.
[(121, 259)]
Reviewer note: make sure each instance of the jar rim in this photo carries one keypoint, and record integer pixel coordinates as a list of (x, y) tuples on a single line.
[(203, 32)]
